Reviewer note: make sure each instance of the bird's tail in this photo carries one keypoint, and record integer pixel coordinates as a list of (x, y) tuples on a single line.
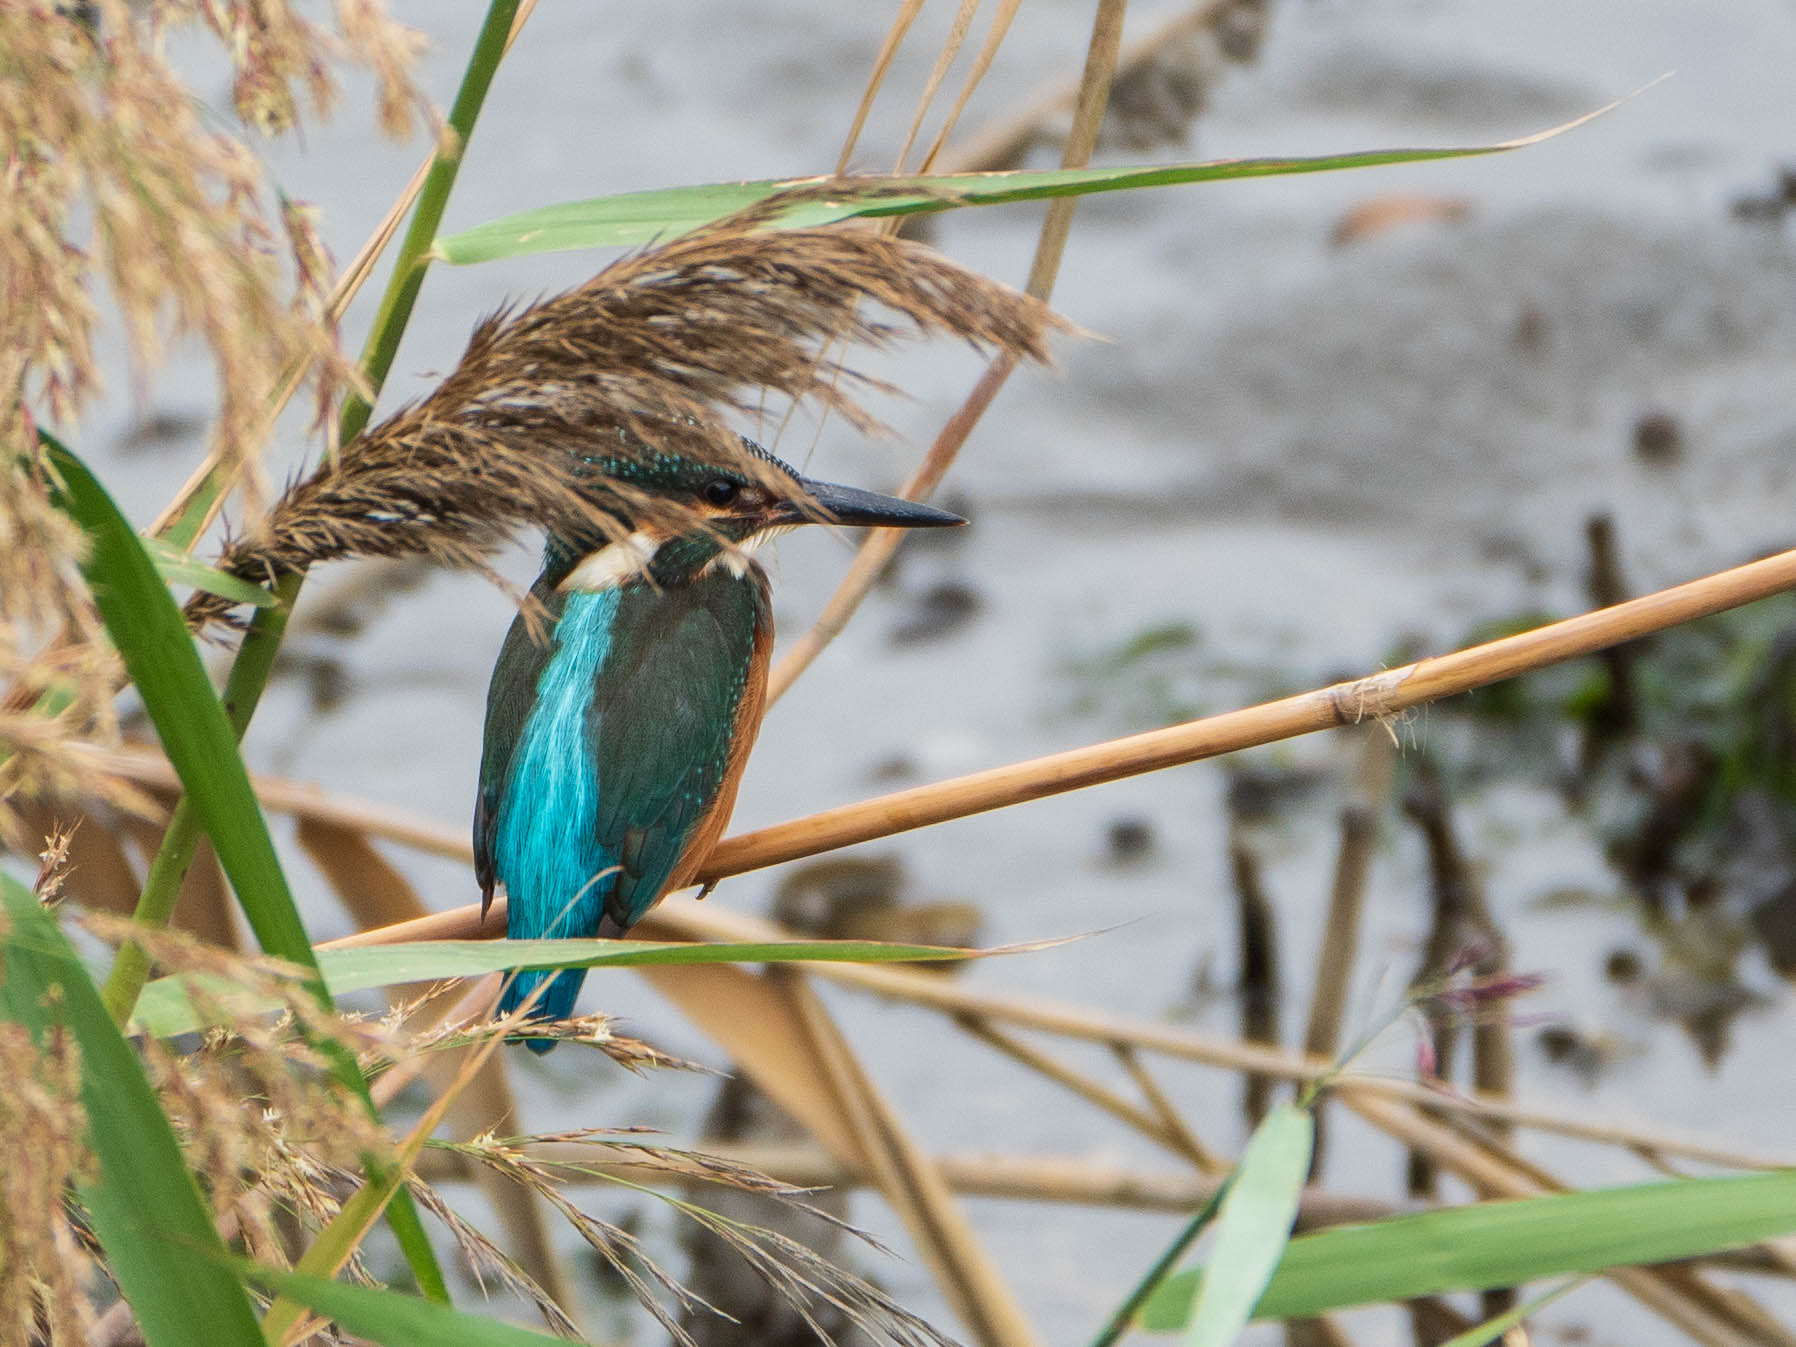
[(557, 1000)]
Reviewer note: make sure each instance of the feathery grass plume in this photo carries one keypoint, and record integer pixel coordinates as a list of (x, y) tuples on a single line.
[(796, 1273), (45, 1265), (58, 674), (274, 1138), (95, 126), (97, 133), (637, 360), (486, 1259)]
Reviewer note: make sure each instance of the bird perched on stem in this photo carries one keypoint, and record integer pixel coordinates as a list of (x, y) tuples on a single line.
[(617, 730)]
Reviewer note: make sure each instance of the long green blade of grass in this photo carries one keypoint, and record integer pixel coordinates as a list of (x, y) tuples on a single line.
[(1254, 1226), (144, 623), (393, 1319), (144, 1207), (636, 218), (164, 1009), (159, 654), (1507, 1244)]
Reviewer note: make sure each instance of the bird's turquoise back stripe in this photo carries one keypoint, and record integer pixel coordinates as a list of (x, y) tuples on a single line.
[(545, 849)]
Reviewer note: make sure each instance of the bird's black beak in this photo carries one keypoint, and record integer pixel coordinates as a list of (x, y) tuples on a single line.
[(832, 504)]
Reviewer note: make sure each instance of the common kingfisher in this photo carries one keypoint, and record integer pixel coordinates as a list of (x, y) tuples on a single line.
[(616, 734)]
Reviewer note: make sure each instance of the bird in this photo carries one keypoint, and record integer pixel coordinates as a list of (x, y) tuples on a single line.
[(618, 723)]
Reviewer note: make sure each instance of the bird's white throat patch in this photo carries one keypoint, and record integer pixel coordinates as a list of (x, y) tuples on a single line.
[(736, 560), (617, 562), (612, 564)]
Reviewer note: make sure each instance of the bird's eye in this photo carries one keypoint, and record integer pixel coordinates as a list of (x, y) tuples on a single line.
[(721, 491)]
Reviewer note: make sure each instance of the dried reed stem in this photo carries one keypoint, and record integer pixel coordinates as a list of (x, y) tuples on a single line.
[(916, 1191), (1346, 901), (1092, 1092), (1227, 24), (882, 63), (1200, 1155), (1380, 696), (372, 890), (1258, 986)]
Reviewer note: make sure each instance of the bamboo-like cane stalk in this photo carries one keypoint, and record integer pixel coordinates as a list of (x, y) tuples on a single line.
[(1379, 696)]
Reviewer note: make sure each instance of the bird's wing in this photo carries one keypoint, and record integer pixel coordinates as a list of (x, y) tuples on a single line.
[(508, 703), (664, 726)]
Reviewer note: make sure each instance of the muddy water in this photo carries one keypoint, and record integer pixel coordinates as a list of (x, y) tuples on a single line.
[(1303, 452)]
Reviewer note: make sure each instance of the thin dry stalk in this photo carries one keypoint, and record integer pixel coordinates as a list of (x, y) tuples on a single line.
[(1199, 1154), (876, 77), (1346, 900), (951, 45), (752, 1017), (988, 52), (919, 1195), (1093, 1092), (1161, 82), (1462, 934), (348, 285), (373, 890), (773, 1028), (1376, 697), (542, 419), (1323, 1332), (882, 544), (1258, 986), (1617, 713), (486, 1259), (682, 919)]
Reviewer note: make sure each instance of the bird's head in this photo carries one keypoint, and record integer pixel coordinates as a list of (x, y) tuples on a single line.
[(688, 511)]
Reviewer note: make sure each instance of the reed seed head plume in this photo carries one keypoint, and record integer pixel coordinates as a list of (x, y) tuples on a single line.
[(111, 171), (805, 1280), (96, 127), (45, 1265), (58, 673), (639, 359)]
